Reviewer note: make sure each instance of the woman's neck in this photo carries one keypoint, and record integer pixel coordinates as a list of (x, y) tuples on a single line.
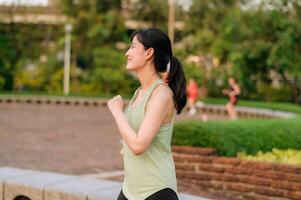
[(147, 76)]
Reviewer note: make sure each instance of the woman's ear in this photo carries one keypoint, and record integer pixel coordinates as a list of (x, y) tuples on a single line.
[(150, 53)]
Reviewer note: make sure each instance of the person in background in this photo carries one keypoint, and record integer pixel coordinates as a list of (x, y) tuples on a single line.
[(233, 94), (146, 125), (192, 93)]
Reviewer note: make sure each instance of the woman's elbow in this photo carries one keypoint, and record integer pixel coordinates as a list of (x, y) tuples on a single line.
[(138, 150)]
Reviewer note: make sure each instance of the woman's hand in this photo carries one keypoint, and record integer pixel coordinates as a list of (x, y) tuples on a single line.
[(225, 91), (115, 105), (231, 94)]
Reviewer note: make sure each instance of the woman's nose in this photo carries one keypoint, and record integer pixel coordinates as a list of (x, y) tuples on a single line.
[(127, 53)]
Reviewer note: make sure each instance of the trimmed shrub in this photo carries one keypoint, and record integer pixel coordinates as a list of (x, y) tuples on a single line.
[(289, 156), (250, 136)]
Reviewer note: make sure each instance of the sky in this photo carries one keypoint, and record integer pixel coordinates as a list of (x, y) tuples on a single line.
[(24, 2)]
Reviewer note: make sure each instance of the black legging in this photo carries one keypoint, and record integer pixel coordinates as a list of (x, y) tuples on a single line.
[(166, 194)]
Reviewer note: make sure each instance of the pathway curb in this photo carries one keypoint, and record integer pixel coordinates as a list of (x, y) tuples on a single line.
[(42, 185)]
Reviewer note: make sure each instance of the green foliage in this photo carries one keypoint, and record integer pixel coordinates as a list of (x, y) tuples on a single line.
[(98, 67), (250, 43), (95, 24), (230, 137), (56, 80), (289, 156), (207, 14), (192, 70), (260, 51), (22, 44), (109, 74), (154, 12), (269, 93), (32, 78)]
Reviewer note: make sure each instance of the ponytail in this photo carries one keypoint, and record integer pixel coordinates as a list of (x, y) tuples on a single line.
[(177, 83)]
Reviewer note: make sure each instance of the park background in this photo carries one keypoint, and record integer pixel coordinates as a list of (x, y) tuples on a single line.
[(257, 42)]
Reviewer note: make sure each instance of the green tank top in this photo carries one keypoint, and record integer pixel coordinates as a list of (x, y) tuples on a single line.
[(153, 170)]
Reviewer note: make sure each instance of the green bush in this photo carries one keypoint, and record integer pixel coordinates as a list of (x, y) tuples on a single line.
[(230, 137), (269, 93)]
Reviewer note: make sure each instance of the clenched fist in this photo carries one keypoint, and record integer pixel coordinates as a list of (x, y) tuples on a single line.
[(115, 105)]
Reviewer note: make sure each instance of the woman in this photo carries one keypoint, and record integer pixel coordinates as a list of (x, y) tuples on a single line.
[(192, 93), (233, 94), (147, 123)]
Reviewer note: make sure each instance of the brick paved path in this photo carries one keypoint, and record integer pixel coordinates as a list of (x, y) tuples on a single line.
[(68, 139)]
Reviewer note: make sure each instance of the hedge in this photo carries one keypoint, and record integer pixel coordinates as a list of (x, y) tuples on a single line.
[(231, 137)]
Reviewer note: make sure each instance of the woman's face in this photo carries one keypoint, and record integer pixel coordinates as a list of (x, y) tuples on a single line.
[(136, 55), (231, 81)]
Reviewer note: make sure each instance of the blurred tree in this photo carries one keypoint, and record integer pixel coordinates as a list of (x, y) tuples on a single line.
[(95, 23), (98, 26), (153, 11), (202, 35), (258, 51), (253, 40), (19, 42), (249, 42)]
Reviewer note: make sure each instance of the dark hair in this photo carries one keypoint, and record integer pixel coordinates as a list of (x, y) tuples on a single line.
[(21, 197), (160, 42)]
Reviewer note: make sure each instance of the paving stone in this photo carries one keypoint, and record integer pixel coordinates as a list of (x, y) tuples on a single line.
[(77, 189), (112, 194), (106, 194), (38, 185), (190, 197), (7, 173), (32, 185)]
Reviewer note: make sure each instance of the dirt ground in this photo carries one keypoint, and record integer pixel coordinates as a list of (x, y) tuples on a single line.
[(67, 139)]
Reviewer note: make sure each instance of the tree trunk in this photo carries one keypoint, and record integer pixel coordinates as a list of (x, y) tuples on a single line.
[(296, 95)]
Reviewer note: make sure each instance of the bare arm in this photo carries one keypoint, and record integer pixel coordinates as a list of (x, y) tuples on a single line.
[(139, 142)]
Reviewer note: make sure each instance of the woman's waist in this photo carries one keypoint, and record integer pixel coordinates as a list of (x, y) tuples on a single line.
[(150, 161), (141, 174)]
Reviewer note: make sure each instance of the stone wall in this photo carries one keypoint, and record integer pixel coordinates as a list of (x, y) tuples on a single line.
[(243, 112), (201, 171), (39, 185), (21, 184)]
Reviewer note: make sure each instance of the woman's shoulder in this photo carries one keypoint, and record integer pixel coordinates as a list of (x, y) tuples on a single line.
[(162, 91), (161, 97)]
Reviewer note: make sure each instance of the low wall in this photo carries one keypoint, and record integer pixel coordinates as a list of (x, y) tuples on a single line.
[(21, 184), (59, 100), (200, 170), (243, 112)]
